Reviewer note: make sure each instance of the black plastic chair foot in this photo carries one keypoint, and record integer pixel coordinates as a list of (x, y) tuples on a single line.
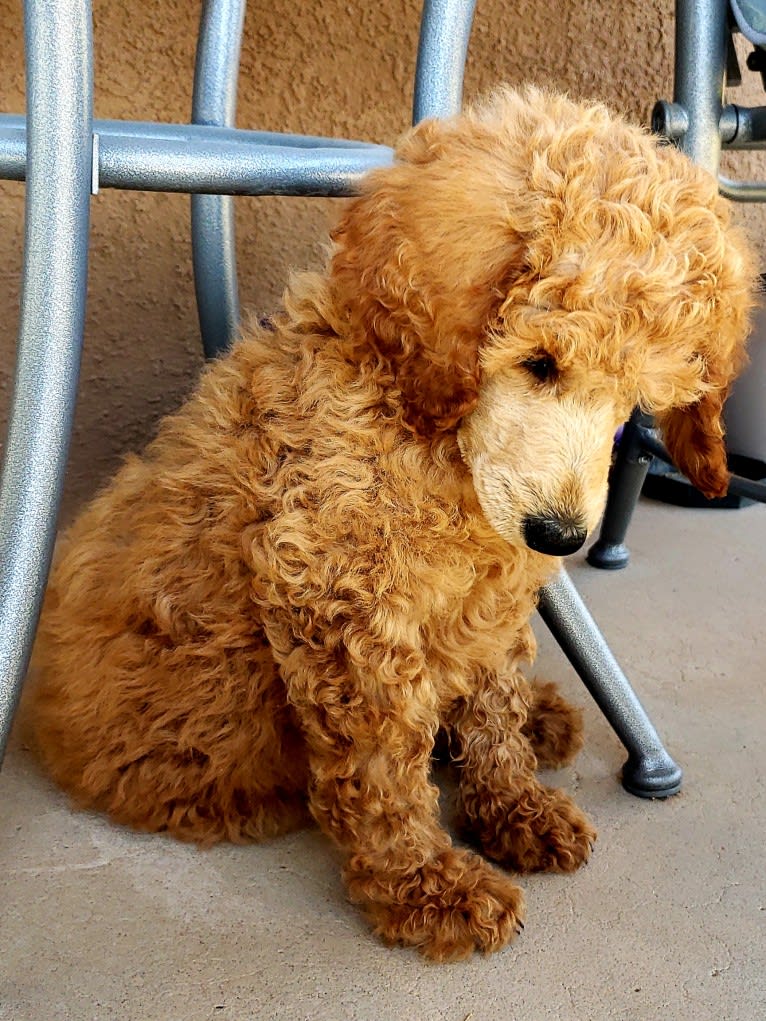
[(652, 777), (608, 556)]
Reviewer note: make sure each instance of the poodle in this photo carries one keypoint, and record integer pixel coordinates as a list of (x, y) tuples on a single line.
[(330, 554)]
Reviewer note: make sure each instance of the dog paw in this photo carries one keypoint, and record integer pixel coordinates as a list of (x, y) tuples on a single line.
[(451, 906), (544, 831), (553, 727)]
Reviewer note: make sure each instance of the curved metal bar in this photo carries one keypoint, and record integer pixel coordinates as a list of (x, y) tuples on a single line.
[(445, 28), (214, 101), (60, 109), (742, 191)]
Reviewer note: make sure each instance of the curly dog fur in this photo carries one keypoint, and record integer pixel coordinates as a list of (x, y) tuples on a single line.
[(322, 560)]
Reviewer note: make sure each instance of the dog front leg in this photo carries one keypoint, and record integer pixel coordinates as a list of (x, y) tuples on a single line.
[(369, 752), (518, 821)]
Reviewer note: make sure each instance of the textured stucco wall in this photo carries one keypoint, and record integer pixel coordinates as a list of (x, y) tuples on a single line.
[(319, 66)]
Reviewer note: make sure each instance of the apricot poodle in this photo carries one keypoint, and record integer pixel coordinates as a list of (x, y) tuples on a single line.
[(331, 553)]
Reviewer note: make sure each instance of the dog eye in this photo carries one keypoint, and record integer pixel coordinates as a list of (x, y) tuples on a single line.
[(542, 367)]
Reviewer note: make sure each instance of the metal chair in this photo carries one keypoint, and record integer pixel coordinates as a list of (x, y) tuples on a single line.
[(699, 123), (65, 156)]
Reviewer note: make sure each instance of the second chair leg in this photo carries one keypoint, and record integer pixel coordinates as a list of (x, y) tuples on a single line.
[(609, 552), (649, 772)]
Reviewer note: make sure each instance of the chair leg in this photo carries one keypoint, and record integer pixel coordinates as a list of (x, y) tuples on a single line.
[(59, 173), (649, 772), (609, 552)]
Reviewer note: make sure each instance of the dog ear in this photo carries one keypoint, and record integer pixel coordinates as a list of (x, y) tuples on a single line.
[(718, 315), (388, 275), (694, 434), (694, 437)]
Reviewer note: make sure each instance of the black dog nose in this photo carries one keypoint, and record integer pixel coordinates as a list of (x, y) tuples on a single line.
[(558, 537)]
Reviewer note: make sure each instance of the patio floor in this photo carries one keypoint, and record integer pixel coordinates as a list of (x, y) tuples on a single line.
[(668, 920)]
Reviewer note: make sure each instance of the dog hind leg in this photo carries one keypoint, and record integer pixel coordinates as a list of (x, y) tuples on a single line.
[(553, 727), (203, 748)]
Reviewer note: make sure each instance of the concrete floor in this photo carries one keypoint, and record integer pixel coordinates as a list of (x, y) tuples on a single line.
[(668, 921)]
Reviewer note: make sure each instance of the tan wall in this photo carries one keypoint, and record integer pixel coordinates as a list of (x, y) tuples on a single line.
[(319, 66)]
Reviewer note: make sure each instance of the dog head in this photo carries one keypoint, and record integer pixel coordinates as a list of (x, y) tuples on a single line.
[(533, 269)]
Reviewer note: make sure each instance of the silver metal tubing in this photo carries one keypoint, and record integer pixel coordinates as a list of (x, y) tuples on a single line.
[(13, 138), (732, 127), (649, 771), (743, 127), (609, 552), (212, 216), (188, 133), (215, 160), (13, 151), (700, 66), (445, 28), (216, 69), (742, 191), (218, 168), (59, 86)]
